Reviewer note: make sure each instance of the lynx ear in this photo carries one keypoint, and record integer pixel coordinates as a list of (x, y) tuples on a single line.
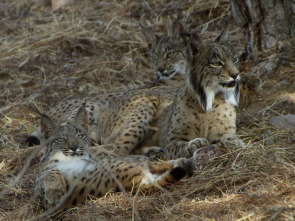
[(224, 36), (150, 37), (82, 117), (177, 28), (47, 126), (196, 43)]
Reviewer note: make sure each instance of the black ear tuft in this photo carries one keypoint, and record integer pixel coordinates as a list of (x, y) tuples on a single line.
[(224, 36), (225, 21)]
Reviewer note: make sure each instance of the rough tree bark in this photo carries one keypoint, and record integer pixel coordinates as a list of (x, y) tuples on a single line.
[(269, 29)]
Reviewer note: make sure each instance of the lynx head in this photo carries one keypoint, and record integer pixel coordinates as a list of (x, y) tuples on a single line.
[(68, 137), (214, 70), (168, 53)]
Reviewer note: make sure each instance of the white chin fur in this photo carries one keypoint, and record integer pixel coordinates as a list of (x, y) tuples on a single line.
[(229, 96), (168, 77), (72, 165), (180, 68), (210, 94)]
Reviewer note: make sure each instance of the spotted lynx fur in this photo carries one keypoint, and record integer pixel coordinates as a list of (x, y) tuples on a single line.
[(176, 44), (180, 119), (68, 165)]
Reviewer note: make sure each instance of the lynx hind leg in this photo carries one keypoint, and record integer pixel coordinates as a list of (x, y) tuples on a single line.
[(128, 125), (153, 153), (163, 173), (185, 149)]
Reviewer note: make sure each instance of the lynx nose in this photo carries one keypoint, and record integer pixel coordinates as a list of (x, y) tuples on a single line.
[(235, 75), (161, 70), (74, 147)]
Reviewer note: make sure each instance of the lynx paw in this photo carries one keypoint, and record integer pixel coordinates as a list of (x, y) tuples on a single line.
[(53, 196), (231, 141), (195, 144), (94, 134), (154, 153), (180, 162), (202, 156)]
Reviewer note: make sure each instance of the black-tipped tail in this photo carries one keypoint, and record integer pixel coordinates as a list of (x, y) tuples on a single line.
[(32, 141), (178, 172)]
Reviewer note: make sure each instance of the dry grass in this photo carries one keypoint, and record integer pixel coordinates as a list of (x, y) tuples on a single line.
[(92, 46)]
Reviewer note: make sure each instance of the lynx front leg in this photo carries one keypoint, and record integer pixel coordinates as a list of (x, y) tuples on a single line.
[(54, 187), (219, 121), (128, 124), (185, 149)]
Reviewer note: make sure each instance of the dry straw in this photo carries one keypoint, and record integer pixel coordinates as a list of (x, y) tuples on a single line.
[(91, 47)]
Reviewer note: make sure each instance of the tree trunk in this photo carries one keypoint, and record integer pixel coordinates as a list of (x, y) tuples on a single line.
[(269, 29)]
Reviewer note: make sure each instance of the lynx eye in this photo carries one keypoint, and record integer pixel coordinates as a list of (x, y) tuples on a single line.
[(60, 139), (218, 64), (236, 60), (171, 54), (81, 136), (154, 57)]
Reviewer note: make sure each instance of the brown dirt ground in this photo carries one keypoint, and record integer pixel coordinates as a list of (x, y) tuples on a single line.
[(89, 47)]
